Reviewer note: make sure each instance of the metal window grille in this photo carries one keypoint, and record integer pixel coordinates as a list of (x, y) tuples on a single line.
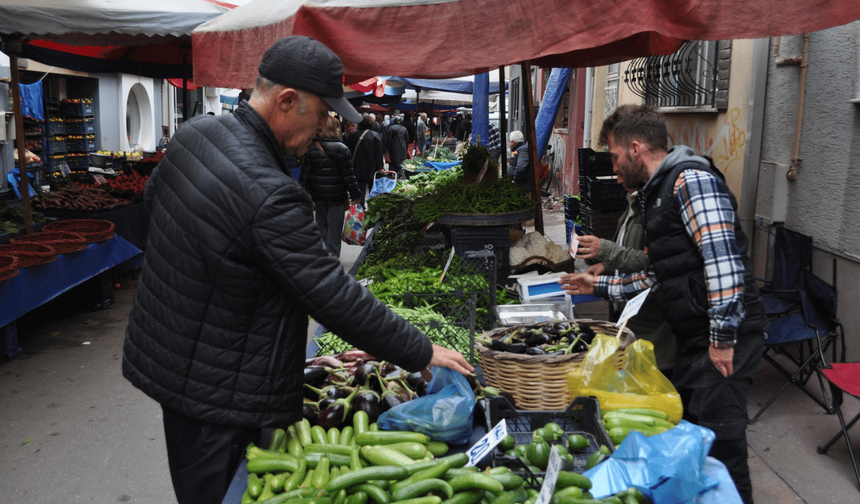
[(687, 78)]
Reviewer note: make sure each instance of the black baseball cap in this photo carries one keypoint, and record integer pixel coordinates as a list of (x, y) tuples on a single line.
[(306, 64)]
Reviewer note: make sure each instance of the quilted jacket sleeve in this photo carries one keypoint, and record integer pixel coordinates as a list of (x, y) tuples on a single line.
[(288, 245)]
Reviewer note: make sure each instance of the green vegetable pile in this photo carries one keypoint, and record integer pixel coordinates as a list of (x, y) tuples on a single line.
[(425, 183), (490, 196), (12, 219)]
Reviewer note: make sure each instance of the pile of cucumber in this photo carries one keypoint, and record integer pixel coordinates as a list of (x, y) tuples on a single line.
[(360, 464), (622, 421)]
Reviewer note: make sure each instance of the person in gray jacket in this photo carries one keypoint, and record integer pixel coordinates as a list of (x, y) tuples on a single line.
[(518, 164), (625, 253), (234, 265)]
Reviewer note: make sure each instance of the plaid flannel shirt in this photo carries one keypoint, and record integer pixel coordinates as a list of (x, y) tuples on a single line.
[(707, 213), (494, 143)]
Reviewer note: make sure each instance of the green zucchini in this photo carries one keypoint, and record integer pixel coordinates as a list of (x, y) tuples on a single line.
[(389, 437), (360, 476), (278, 441), (271, 465)]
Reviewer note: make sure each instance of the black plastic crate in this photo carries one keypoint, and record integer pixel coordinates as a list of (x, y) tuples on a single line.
[(582, 417), (54, 128), (85, 126), (54, 162), (54, 146), (600, 224), (496, 239), (594, 163), (81, 144), (78, 163), (80, 109)]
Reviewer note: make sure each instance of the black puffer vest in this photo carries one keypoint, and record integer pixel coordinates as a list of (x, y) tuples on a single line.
[(327, 173), (679, 265)]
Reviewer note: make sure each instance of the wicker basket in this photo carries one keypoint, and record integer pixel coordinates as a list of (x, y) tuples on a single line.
[(8, 266), (62, 243), (29, 254), (537, 382), (93, 230)]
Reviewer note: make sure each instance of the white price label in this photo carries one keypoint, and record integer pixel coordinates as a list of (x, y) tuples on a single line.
[(487, 443), (550, 478), (574, 243), (633, 307)]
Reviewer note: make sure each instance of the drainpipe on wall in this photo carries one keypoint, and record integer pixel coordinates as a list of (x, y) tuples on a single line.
[(801, 60)]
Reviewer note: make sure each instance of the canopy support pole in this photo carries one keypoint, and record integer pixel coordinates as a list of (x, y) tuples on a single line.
[(528, 99), (185, 51), (12, 47), (503, 123)]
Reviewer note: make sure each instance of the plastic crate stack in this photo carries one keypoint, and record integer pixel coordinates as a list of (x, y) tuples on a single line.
[(602, 198), (80, 131), (55, 136), (496, 239)]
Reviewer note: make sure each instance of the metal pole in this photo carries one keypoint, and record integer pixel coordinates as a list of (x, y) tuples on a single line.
[(503, 121), (530, 131), (12, 47)]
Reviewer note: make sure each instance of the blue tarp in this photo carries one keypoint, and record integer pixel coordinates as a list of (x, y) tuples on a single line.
[(449, 85), (549, 107), (441, 165), (481, 110), (31, 100)]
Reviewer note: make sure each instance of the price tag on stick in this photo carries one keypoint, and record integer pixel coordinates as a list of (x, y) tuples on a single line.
[(487, 443), (632, 308), (551, 477)]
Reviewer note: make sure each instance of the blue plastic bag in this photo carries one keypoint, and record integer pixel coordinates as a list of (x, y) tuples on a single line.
[(446, 413), (383, 184), (670, 468)]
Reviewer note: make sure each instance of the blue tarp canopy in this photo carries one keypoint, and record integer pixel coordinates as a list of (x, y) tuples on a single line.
[(448, 85)]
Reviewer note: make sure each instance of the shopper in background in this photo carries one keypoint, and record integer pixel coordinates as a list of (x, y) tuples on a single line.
[(398, 142), (366, 147), (518, 164), (494, 142), (698, 257), (235, 265), (327, 175), (421, 133)]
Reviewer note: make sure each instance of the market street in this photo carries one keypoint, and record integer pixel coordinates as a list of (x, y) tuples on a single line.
[(74, 431)]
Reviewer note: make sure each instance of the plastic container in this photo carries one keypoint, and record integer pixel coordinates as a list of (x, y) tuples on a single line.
[(84, 126), (527, 314), (582, 417), (81, 109), (53, 147), (53, 128), (594, 163)]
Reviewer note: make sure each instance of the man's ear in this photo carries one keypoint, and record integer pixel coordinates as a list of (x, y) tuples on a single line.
[(288, 98), (637, 148)]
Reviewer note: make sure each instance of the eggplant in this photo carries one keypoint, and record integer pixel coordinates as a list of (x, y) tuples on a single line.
[(580, 346), (561, 326), (538, 339), (421, 389), (362, 373), (587, 333), (413, 379), (310, 411), (336, 413), (512, 348), (389, 400), (535, 350), (315, 375), (325, 403), (367, 401), (389, 368)]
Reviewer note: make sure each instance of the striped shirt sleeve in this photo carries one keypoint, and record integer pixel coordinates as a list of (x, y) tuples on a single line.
[(707, 213)]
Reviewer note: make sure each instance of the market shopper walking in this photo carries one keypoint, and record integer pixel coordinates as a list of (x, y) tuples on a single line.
[(367, 159), (698, 255), (327, 175), (234, 266), (421, 134)]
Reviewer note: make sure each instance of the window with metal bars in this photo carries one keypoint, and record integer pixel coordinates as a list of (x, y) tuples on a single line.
[(696, 76)]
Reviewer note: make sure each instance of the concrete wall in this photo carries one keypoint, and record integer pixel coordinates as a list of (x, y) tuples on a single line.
[(822, 201)]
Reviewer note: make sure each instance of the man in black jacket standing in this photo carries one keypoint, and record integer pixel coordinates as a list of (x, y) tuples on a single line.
[(234, 266), (366, 147)]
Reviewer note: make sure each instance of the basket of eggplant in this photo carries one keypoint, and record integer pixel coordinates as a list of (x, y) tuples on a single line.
[(531, 362)]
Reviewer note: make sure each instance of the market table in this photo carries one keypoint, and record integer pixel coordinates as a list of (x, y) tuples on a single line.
[(37, 285)]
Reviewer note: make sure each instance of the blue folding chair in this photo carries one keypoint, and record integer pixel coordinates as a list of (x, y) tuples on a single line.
[(803, 322)]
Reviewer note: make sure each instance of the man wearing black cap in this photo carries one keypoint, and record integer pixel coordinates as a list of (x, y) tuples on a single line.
[(234, 266)]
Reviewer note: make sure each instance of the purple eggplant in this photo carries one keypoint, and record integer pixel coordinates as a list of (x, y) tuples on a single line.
[(337, 412), (367, 401), (315, 376), (310, 411), (325, 403), (362, 373), (413, 379)]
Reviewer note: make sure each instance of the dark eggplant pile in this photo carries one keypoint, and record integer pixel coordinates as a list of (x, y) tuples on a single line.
[(336, 386), (548, 338)]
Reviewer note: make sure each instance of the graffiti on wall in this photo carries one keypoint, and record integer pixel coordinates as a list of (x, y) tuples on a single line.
[(725, 147)]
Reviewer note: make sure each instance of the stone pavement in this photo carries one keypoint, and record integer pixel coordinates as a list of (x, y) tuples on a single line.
[(72, 430)]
